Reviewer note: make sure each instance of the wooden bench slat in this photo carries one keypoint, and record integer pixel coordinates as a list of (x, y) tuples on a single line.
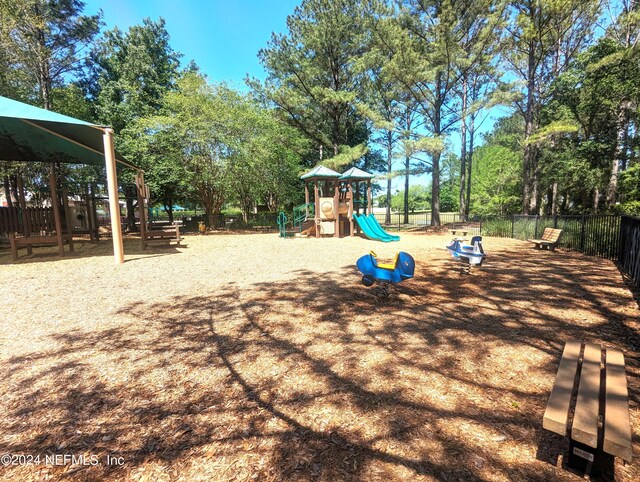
[(617, 426), (585, 421), (557, 413)]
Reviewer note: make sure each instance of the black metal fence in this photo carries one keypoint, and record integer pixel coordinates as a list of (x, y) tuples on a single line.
[(414, 220), (257, 221), (629, 248), (595, 235)]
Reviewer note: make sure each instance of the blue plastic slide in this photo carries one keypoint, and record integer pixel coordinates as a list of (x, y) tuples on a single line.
[(379, 230), (369, 231)]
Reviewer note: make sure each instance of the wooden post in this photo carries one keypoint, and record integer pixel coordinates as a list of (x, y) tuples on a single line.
[(336, 207), (350, 212), (357, 208), (317, 207), (369, 200), (141, 208), (114, 201), (56, 208), (306, 198)]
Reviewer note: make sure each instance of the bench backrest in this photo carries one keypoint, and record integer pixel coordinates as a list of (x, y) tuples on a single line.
[(552, 235)]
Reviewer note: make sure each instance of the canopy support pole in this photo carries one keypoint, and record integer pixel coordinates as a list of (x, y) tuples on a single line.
[(114, 201)]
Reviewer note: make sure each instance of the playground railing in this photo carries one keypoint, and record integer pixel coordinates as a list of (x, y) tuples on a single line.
[(301, 213)]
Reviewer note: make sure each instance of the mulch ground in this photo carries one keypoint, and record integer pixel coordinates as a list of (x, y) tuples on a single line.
[(249, 357)]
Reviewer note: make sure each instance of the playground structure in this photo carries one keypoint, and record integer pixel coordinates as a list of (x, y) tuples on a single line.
[(333, 206), (384, 274)]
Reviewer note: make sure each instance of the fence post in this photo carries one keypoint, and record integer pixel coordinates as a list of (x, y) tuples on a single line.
[(535, 229), (555, 221), (513, 222), (582, 233)]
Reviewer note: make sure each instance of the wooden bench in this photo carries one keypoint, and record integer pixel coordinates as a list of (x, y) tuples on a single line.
[(462, 231), (28, 242), (550, 239), (166, 235), (597, 392)]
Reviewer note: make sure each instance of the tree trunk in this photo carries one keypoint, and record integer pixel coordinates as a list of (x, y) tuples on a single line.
[(14, 187), (529, 163), (554, 199), (596, 200), (168, 207), (472, 132), (43, 69), (407, 170), (7, 190), (387, 216), (463, 151), (435, 159), (131, 215), (435, 190), (619, 156)]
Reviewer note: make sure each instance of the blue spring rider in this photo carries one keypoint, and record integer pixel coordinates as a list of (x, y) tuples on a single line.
[(385, 274), (472, 255)]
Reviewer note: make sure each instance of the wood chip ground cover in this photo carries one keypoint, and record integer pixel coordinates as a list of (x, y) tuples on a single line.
[(249, 357)]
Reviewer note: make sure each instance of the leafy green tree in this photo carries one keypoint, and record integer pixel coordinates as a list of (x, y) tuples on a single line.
[(45, 40), (129, 75), (585, 133), (192, 117), (497, 177), (419, 199), (426, 42), (312, 78), (542, 39), (131, 72), (496, 180)]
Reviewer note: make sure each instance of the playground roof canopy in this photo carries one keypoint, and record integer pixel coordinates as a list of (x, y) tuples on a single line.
[(320, 171), (355, 173), (32, 134)]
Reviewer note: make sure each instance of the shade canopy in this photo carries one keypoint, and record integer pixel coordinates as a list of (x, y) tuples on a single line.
[(31, 134), (356, 174), (320, 171)]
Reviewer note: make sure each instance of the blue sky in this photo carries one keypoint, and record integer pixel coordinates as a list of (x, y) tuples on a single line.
[(223, 37)]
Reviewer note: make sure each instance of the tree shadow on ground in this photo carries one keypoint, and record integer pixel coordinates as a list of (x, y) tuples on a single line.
[(313, 378), (85, 249)]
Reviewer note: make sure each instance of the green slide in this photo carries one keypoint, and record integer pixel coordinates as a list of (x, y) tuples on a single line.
[(379, 230), (370, 231)]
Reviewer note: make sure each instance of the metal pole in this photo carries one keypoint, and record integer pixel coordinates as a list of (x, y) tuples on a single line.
[(114, 201)]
